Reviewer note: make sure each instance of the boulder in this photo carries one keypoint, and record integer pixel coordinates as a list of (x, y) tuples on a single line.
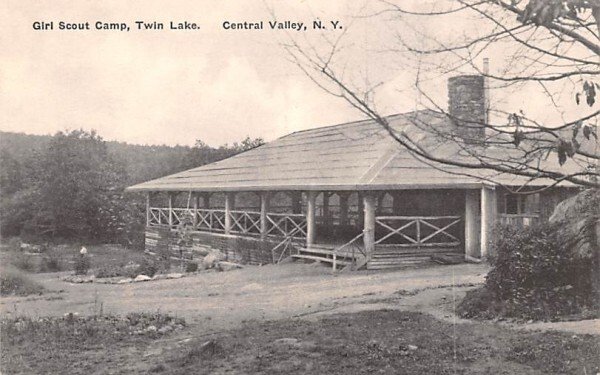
[(125, 281), (228, 266), (174, 276), (140, 278), (578, 218), (210, 261)]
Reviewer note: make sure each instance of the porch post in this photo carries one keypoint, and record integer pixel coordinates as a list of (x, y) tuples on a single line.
[(343, 207), (148, 208), (170, 209), (264, 208), (370, 202), (311, 227), (488, 218), (195, 210), (229, 205), (472, 227)]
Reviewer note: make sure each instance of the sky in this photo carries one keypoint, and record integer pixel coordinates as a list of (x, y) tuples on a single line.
[(175, 87), (155, 87)]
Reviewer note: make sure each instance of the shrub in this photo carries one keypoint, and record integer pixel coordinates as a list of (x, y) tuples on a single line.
[(191, 267), (534, 276), (15, 281), (151, 267), (13, 244), (107, 271), (51, 262), (82, 264), (23, 262)]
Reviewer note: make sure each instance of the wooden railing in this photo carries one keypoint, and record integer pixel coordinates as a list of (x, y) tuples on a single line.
[(350, 249), (418, 231), (519, 220), (245, 222), (286, 225), (241, 222)]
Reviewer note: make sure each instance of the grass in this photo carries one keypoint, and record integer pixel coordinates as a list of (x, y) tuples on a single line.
[(14, 281), (107, 258), (79, 345), (383, 342)]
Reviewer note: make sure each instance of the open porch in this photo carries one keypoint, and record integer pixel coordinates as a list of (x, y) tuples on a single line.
[(355, 229)]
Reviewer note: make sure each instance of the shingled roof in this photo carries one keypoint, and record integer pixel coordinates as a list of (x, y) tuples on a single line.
[(352, 156)]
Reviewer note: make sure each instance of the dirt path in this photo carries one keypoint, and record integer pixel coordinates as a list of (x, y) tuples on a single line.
[(220, 301)]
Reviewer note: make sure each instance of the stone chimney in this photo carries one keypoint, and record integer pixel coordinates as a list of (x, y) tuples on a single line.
[(467, 107)]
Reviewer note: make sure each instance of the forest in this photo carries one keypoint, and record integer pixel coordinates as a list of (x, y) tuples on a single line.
[(70, 186)]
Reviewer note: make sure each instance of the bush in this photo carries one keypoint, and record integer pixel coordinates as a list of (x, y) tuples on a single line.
[(14, 244), (534, 276), (151, 267), (191, 267), (51, 262), (23, 262), (16, 282), (82, 264)]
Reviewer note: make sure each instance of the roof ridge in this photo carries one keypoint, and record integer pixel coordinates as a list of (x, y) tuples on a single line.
[(353, 122)]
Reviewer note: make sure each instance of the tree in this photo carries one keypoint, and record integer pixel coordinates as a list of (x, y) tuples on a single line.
[(550, 48), (76, 188)]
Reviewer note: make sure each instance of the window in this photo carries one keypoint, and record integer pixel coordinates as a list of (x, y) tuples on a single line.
[(521, 204)]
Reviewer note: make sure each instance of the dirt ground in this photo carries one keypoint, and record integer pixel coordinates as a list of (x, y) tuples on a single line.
[(217, 301), (357, 322)]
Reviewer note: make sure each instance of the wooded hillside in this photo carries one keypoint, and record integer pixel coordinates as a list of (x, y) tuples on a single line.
[(70, 185)]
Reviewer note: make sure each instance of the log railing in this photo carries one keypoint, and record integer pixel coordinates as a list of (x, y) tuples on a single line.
[(286, 224), (242, 222), (350, 249), (418, 231), (519, 220)]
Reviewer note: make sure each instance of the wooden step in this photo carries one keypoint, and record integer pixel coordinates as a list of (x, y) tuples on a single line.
[(315, 250), (321, 259), (396, 264)]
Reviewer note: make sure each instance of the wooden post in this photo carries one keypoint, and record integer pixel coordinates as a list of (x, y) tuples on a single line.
[(472, 226), (148, 209), (311, 225), (264, 209), (488, 218), (361, 209), (170, 210), (229, 206), (370, 203), (195, 211), (344, 207)]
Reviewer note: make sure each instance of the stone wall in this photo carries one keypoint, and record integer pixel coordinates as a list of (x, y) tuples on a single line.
[(244, 250)]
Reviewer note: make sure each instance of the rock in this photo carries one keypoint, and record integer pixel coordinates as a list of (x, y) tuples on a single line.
[(228, 266), (174, 276), (286, 341), (140, 278), (412, 347), (209, 261), (125, 281), (151, 329)]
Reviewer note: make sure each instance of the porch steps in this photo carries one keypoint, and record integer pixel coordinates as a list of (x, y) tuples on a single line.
[(323, 254), (389, 259)]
